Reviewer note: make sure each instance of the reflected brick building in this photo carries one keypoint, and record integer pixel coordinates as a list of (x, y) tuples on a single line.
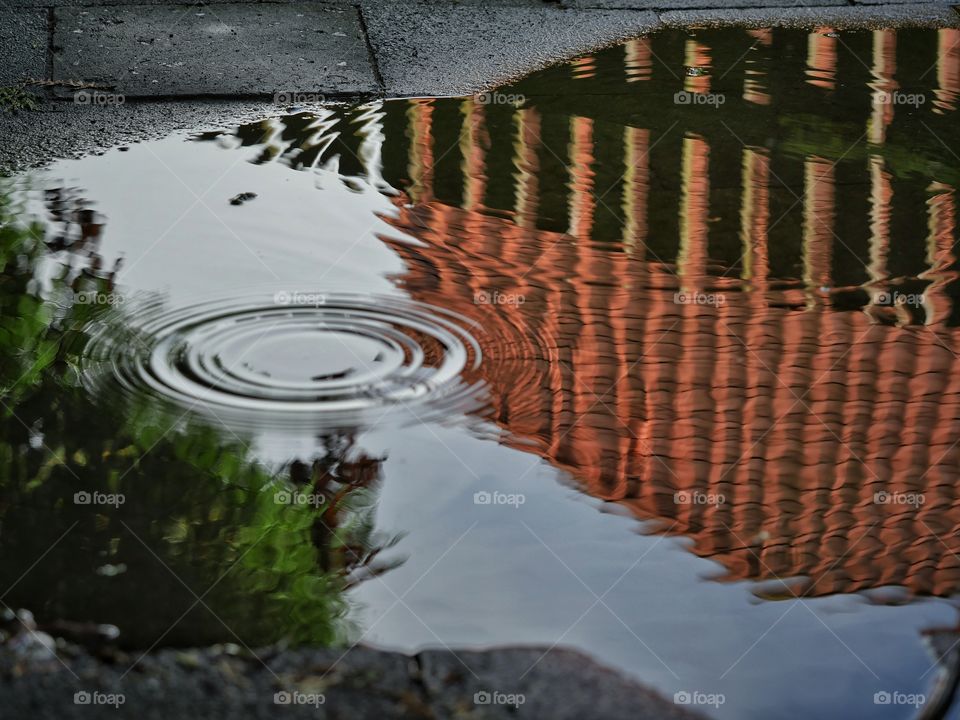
[(818, 425), (706, 306)]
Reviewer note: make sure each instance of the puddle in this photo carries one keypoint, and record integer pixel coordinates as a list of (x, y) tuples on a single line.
[(652, 354)]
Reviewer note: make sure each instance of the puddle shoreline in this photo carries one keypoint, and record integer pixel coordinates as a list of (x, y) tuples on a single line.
[(216, 683)]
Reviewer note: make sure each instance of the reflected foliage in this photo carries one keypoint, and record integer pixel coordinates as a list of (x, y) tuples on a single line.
[(185, 533)]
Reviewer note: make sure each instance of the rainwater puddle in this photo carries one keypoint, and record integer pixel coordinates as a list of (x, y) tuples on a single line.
[(652, 354)]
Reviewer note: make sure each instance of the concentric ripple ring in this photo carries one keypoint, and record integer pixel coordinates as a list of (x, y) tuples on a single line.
[(324, 359)]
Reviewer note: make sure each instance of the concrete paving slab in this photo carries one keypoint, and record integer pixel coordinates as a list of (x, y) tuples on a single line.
[(217, 50), (415, 42), (902, 2), (23, 45), (93, 3), (927, 14), (102, 3), (692, 4)]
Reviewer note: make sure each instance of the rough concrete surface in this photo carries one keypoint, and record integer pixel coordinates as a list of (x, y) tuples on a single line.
[(23, 44), (686, 4), (232, 50), (425, 48), (64, 129), (725, 4), (837, 17), (903, 2), (113, 3)]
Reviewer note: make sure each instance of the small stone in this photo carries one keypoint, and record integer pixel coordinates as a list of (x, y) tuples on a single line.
[(189, 659), (33, 650)]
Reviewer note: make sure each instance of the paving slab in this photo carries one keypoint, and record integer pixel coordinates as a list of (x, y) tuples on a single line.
[(91, 3), (926, 14), (23, 44), (416, 42), (902, 2), (238, 50), (694, 4), (95, 3)]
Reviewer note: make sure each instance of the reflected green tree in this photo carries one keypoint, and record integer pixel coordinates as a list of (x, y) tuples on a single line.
[(208, 544)]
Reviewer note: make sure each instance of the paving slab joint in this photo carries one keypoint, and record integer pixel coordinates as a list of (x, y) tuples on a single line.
[(371, 54)]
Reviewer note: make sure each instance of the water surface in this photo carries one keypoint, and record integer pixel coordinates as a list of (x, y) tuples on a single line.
[(651, 354)]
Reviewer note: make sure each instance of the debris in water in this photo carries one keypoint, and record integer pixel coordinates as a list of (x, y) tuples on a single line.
[(242, 198)]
